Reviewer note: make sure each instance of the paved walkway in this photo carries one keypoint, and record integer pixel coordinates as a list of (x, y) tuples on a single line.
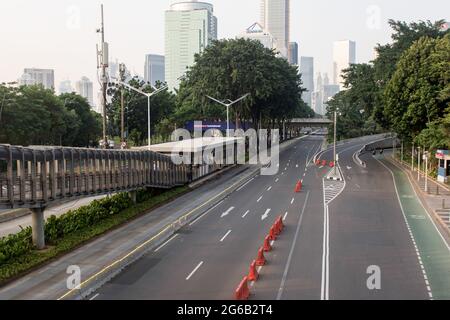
[(430, 238)]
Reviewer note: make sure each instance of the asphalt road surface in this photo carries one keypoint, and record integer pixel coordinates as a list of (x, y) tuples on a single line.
[(336, 233)]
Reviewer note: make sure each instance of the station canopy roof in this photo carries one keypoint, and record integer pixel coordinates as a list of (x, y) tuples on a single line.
[(191, 145)]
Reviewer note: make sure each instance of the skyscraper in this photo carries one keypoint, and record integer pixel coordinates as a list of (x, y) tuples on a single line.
[(293, 53), (65, 86), (344, 54), (275, 18), (307, 71), (154, 69), (45, 77), (257, 32), (85, 89), (190, 27)]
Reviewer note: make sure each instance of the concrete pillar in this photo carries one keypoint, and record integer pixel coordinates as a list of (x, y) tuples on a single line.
[(37, 224), (133, 196)]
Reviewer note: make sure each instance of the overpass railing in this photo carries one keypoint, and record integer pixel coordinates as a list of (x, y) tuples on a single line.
[(34, 177)]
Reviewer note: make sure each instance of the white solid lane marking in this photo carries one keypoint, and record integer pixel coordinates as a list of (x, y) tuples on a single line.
[(266, 214), (194, 271), (291, 253), (292, 201), (167, 242), (225, 236), (94, 297), (259, 199), (245, 184), (226, 213), (246, 213), (208, 211), (285, 216)]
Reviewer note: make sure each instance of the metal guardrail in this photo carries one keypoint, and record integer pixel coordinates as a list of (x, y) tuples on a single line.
[(33, 177)]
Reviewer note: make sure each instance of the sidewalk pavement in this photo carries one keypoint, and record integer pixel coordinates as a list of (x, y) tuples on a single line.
[(437, 199), (104, 257)]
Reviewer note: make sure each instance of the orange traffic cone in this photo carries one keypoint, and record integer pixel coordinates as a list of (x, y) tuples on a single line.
[(280, 223), (261, 260), (272, 234), (267, 246), (242, 292), (253, 273), (324, 163)]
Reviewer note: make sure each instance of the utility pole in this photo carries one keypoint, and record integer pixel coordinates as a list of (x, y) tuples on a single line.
[(426, 170), (412, 158), (122, 70), (102, 63)]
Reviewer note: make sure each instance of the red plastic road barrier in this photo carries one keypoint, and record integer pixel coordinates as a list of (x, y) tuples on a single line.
[(261, 260), (331, 164), (272, 234), (317, 162), (324, 163), (242, 292), (267, 246), (298, 187), (253, 273)]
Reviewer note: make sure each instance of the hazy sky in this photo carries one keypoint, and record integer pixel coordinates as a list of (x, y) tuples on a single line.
[(60, 34)]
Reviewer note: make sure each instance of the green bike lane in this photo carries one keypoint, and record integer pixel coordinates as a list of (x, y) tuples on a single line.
[(432, 250)]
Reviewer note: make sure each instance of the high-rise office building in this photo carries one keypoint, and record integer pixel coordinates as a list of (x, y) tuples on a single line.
[(329, 91), (344, 54), (293, 53), (257, 32), (275, 18), (154, 69), (85, 88), (307, 72), (190, 27), (45, 77), (65, 86)]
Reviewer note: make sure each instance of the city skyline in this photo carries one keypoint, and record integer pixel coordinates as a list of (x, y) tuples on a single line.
[(69, 44)]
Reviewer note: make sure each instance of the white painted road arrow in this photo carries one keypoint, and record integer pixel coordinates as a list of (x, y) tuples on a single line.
[(266, 215), (227, 212)]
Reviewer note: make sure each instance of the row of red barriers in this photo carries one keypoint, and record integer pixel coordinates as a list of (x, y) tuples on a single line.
[(243, 291), (323, 163)]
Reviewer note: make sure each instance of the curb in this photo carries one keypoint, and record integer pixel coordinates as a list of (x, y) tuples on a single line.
[(13, 214)]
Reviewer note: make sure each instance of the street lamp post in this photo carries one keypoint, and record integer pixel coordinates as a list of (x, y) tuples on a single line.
[(335, 138), (418, 165), (228, 105), (149, 96)]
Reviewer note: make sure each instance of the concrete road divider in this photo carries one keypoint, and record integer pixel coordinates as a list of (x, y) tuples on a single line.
[(267, 246), (253, 273), (242, 292), (261, 260)]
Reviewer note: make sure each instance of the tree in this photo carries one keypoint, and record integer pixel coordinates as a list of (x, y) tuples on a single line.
[(417, 97), (89, 128), (33, 115), (388, 56), (229, 69)]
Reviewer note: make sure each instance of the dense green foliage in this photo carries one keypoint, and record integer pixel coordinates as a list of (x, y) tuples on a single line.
[(67, 232), (229, 69), (405, 89), (32, 115)]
